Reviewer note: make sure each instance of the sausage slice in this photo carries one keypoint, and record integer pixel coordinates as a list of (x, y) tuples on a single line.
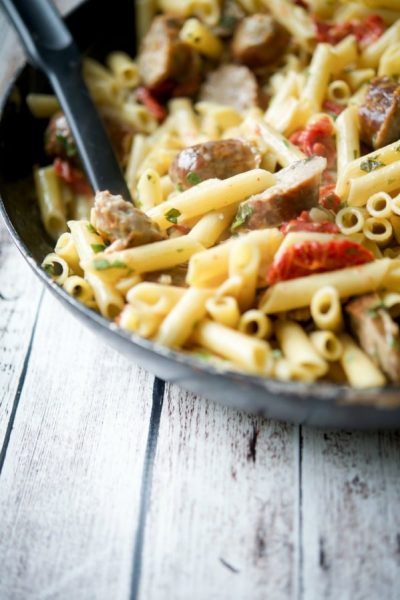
[(380, 113), (296, 189), (233, 85), (377, 333), (121, 224), (220, 159), (259, 40), (166, 63)]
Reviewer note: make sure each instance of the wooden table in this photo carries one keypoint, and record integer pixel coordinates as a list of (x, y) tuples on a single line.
[(106, 494)]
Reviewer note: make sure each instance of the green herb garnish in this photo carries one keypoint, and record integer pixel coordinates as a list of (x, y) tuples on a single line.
[(193, 178), (228, 22), (370, 164), (91, 228), (179, 187), (101, 264), (173, 215), (244, 212), (69, 147), (50, 269), (202, 355), (97, 248)]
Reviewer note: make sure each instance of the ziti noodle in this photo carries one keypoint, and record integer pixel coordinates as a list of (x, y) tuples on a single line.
[(261, 144)]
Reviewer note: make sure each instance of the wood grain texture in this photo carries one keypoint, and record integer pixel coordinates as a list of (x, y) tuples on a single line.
[(223, 517), (69, 491), (19, 297), (350, 517)]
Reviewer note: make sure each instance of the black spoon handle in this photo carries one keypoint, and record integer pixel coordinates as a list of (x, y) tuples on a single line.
[(51, 47)]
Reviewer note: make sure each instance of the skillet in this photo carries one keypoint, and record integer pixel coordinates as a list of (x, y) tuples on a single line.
[(97, 31)]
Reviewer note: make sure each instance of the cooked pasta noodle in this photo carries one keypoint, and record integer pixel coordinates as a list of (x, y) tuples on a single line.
[(326, 309), (260, 141), (327, 344)]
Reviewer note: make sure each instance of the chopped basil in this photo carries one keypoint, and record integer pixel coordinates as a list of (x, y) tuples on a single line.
[(193, 178), (91, 228), (97, 247), (179, 187), (286, 143), (69, 146), (351, 250), (203, 355), (244, 212), (50, 269), (173, 215), (228, 22), (101, 264), (370, 164)]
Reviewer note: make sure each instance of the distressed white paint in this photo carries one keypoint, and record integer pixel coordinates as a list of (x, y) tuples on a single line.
[(69, 490), (19, 296), (351, 521), (224, 493)]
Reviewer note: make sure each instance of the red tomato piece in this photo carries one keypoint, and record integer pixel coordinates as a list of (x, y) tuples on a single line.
[(146, 97), (333, 33), (333, 107), (366, 31), (73, 176), (304, 223), (317, 138), (311, 256), (328, 199)]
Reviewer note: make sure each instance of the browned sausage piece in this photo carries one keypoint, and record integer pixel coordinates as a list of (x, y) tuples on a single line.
[(166, 63), (380, 113), (259, 40), (220, 159), (233, 85), (121, 224), (377, 333), (296, 189), (59, 141)]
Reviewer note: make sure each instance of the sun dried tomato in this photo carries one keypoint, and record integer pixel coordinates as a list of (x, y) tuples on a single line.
[(311, 256), (304, 223), (158, 111), (328, 199), (317, 138), (73, 176), (333, 107), (366, 31)]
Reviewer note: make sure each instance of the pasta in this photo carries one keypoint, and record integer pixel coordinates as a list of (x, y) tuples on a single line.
[(260, 141)]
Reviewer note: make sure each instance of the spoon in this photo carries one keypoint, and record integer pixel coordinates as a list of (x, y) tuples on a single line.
[(51, 48)]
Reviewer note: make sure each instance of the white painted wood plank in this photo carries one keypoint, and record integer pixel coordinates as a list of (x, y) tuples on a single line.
[(19, 296), (19, 289), (222, 522), (350, 515), (70, 485)]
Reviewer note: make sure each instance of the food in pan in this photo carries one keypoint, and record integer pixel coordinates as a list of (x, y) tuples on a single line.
[(261, 144)]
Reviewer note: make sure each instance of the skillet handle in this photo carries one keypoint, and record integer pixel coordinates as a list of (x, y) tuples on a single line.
[(51, 47)]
